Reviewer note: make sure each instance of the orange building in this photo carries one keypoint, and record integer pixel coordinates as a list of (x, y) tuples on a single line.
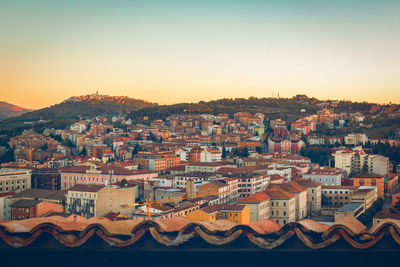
[(371, 180), (195, 155), (239, 214)]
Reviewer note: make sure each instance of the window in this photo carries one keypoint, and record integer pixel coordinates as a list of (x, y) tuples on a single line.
[(272, 213), (284, 204), (284, 213)]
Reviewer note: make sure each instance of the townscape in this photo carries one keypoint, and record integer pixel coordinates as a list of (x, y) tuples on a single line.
[(241, 168)]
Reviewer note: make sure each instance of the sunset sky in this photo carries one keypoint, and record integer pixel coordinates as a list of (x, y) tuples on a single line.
[(186, 51)]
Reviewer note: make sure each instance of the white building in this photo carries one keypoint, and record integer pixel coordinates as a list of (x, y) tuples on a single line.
[(326, 176), (12, 180), (355, 139), (210, 155)]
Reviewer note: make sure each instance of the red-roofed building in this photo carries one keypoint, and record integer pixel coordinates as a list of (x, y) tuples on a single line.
[(259, 206), (283, 205)]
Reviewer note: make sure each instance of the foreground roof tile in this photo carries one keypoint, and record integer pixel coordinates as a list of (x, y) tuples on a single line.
[(178, 231)]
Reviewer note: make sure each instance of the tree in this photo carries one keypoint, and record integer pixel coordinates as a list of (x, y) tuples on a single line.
[(245, 152), (259, 150), (135, 150), (44, 147), (83, 152), (365, 168), (223, 152)]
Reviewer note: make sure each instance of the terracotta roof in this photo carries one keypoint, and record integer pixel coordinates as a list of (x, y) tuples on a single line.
[(307, 183), (346, 233), (25, 203), (255, 198), (86, 188), (371, 175), (278, 193), (225, 207)]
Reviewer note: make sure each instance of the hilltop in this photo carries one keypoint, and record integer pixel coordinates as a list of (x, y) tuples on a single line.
[(8, 110), (64, 113)]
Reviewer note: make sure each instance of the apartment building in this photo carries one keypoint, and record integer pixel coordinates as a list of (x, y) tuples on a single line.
[(353, 161), (314, 195), (210, 155), (373, 180), (300, 195), (252, 183), (337, 196), (226, 190), (355, 139), (12, 180), (259, 206), (91, 200), (282, 205)]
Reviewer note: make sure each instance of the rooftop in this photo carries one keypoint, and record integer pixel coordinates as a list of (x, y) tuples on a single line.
[(351, 206)]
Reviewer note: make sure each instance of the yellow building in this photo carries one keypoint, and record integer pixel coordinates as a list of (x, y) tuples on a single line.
[(239, 214)]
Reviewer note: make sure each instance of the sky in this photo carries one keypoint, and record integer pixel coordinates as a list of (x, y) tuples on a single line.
[(186, 51)]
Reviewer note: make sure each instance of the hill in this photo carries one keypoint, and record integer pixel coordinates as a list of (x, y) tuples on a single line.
[(64, 113), (8, 110), (288, 109)]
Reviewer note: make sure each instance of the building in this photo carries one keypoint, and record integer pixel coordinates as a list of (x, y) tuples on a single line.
[(301, 196), (314, 195), (210, 155), (366, 196), (27, 208), (350, 210), (14, 180), (5, 206), (259, 206), (355, 139), (327, 176), (282, 205), (357, 161), (252, 183), (337, 196), (226, 190), (210, 167), (285, 146), (238, 214), (371, 180), (46, 178), (91, 200), (105, 175), (198, 178)]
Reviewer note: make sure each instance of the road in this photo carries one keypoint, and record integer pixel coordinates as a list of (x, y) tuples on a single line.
[(388, 200)]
